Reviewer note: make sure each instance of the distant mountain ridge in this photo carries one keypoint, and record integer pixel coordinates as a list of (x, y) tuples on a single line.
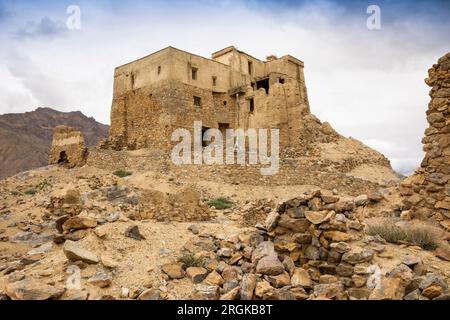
[(25, 138)]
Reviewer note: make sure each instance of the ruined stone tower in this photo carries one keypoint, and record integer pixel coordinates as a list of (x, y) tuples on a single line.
[(68, 147), (171, 89)]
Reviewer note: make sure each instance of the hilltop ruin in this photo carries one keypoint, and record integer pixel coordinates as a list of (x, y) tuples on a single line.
[(68, 147), (171, 89)]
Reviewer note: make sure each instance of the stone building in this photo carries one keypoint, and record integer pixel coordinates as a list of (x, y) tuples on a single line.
[(171, 89), (68, 147), (427, 191)]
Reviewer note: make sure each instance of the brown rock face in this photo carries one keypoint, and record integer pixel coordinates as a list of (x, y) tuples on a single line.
[(68, 147), (427, 192)]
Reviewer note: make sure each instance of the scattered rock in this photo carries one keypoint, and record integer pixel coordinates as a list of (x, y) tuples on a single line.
[(173, 270), (389, 289), (32, 290), (403, 273), (225, 252), (358, 255), (133, 232), (265, 291), (231, 295), (78, 222), (75, 252), (340, 247), (443, 252), (196, 274), (328, 290), (269, 265), (46, 247), (193, 228), (265, 248), (205, 292), (301, 278), (59, 223), (214, 279), (272, 220), (150, 294), (248, 286), (101, 278), (361, 200), (108, 261), (411, 260), (280, 280), (433, 291)]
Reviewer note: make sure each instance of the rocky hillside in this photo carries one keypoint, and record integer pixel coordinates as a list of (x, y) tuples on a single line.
[(25, 138), (85, 233)]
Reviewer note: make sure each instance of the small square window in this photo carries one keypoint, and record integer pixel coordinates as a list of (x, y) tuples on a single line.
[(197, 101), (214, 81), (224, 103), (194, 73), (159, 69)]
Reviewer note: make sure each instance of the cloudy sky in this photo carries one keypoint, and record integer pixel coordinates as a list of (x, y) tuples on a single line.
[(367, 83)]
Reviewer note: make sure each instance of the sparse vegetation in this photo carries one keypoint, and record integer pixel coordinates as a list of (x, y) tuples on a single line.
[(387, 229), (122, 173), (30, 192), (15, 193), (43, 185), (426, 237), (190, 260), (221, 203)]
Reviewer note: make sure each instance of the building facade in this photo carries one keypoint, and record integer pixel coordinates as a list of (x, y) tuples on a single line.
[(171, 88)]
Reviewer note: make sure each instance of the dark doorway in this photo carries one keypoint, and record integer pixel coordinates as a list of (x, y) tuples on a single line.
[(251, 104), (223, 129), (263, 84), (204, 143), (63, 158)]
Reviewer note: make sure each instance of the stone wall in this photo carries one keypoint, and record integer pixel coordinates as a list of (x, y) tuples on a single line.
[(427, 191), (292, 171), (68, 147)]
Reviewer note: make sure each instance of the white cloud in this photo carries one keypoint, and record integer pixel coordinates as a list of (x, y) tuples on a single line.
[(45, 28)]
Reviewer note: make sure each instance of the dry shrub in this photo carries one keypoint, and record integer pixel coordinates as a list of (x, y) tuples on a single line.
[(190, 260), (386, 229), (419, 234), (424, 236)]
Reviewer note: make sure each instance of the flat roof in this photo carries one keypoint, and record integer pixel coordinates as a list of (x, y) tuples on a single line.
[(214, 55), (170, 48)]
